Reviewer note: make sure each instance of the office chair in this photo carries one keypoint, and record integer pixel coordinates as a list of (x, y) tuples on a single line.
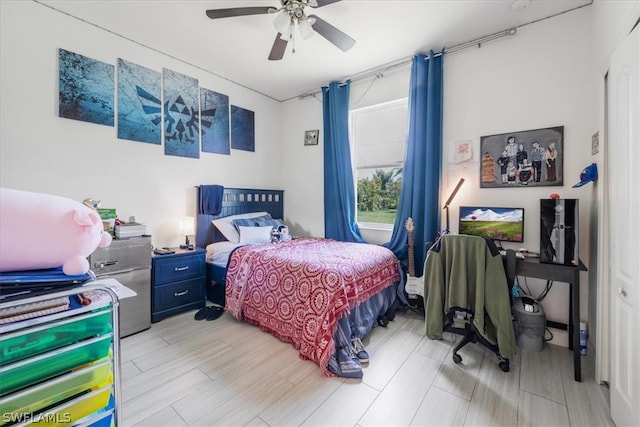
[(467, 292)]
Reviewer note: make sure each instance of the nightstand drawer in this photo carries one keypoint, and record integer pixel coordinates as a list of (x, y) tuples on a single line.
[(175, 269), (178, 294), (178, 282)]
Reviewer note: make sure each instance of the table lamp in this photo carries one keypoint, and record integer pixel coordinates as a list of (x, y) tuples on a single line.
[(187, 227), (450, 199)]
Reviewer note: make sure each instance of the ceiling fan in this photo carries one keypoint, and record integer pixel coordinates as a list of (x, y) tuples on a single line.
[(291, 14)]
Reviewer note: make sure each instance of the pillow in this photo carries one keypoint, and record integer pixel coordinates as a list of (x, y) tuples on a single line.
[(260, 221), (255, 234), (228, 230)]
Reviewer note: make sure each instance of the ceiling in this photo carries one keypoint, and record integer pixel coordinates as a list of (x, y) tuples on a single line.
[(237, 48)]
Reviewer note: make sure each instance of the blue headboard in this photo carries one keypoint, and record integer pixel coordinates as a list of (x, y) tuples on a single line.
[(238, 201)]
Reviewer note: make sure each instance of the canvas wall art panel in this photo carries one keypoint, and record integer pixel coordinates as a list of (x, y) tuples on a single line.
[(214, 122), (242, 129), (139, 103), (531, 158), (181, 107), (85, 88)]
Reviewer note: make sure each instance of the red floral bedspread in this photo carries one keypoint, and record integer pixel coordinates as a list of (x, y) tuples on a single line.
[(298, 290)]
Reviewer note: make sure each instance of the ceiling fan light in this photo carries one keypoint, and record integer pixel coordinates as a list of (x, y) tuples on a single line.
[(282, 21), (305, 28)]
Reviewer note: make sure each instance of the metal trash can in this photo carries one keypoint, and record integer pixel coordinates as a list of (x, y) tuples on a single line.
[(530, 323)]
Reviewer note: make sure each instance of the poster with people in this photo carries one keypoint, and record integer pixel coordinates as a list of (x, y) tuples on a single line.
[(531, 158)]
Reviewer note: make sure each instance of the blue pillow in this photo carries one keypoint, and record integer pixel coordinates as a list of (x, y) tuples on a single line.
[(261, 221)]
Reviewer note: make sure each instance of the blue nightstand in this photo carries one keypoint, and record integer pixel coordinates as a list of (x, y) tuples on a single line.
[(177, 282)]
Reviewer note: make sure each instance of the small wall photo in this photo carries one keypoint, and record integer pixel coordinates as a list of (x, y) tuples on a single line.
[(311, 137)]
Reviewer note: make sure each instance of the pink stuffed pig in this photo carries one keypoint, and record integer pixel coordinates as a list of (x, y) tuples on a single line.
[(45, 231)]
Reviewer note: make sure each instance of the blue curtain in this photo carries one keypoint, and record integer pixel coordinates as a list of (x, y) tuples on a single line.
[(339, 192), (420, 194)]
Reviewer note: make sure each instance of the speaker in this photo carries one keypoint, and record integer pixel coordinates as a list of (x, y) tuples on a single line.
[(559, 231)]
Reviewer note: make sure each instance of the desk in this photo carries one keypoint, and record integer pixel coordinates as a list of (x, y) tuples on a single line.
[(532, 267)]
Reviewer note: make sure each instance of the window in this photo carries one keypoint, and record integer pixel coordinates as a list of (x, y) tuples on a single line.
[(378, 135)]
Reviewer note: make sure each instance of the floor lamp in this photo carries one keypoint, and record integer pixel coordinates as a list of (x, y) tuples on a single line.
[(450, 199)]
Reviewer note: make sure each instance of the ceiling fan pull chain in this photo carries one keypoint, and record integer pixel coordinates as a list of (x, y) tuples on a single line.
[(293, 42)]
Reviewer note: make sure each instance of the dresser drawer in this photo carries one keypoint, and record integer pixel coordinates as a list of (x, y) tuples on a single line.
[(176, 269), (178, 294)]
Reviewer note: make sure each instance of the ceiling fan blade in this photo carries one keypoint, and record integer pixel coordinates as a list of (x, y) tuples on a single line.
[(239, 11), (278, 48), (320, 3), (331, 33)]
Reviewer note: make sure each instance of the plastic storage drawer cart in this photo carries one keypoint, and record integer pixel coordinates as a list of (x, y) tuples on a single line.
[(60, 368)]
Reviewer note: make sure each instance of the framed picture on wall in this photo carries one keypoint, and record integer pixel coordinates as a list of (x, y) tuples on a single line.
[(531, 158), (311, 137)]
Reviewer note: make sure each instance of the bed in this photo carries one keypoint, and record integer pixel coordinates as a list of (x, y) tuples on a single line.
[(235, 201), (317, 294)]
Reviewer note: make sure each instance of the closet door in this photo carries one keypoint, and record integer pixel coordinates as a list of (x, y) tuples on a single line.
[(624, 230)]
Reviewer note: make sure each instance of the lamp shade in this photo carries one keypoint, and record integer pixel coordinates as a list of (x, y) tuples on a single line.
[(187, 225)]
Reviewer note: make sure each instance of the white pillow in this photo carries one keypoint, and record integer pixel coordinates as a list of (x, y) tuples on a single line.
[(255, 234), (228, 230)]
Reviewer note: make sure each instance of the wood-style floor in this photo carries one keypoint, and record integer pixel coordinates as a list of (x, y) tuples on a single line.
[(183, 372)]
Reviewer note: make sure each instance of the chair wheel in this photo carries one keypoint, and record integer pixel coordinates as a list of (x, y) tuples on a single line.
[(504, 365), (457, 358)]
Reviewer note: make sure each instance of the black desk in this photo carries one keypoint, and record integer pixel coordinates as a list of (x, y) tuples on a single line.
[(532, 267)]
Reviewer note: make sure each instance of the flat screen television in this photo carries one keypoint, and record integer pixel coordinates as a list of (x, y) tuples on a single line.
[(503, 224)]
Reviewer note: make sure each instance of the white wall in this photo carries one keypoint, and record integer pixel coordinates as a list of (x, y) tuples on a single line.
[(303, 184), (44, 153), (612, 22), (541, 77)]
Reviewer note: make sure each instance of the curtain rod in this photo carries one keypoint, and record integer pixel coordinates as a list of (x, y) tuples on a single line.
[(475, 42), (391, 65)]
